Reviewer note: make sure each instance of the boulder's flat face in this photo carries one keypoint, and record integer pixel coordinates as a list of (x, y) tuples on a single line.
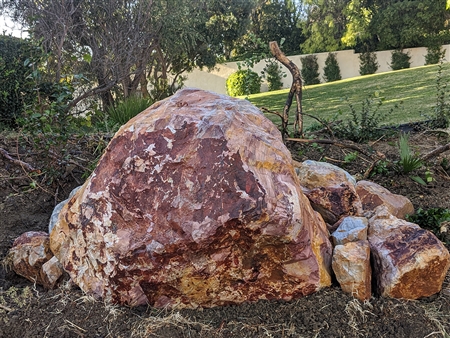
[(409, 262), (194, 203)]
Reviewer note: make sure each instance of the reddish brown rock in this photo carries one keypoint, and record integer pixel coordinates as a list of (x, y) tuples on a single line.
[(330, 189), (51, 273), (408, 261), (373, 195), (351, 265), (194, 203), (29, 252)]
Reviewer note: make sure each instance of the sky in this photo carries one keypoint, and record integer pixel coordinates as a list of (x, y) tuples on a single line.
[(9, 27)]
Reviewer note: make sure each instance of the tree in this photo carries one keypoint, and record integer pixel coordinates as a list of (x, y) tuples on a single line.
[(394, 24), (113, 48), (325, 25)]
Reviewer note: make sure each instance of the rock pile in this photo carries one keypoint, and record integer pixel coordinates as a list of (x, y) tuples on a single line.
[(196, 203)]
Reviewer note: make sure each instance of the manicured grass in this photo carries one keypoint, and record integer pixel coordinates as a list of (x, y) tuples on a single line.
[(410, 92)]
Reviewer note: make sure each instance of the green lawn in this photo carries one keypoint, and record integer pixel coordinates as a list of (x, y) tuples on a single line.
[(414, 88)]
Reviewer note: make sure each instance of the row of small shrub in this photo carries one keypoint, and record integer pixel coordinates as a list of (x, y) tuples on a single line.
[(245, 82)]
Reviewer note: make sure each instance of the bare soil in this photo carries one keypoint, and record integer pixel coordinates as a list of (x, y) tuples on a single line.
[(26, 310)]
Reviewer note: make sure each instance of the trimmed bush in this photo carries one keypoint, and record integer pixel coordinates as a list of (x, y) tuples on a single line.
[(400, 60), (434, 55), (243, 82), (332, 72), (368, 63), (15, 91), (273, 72), (310, 70)]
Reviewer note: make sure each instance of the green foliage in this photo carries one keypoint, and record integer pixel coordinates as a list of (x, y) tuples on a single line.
[(434, 55), (365, 124), (400, 60), (15, 90), (381, 168), (441, 111), (332, 72), (351, 157), (368, 63), (310, 70), (431, 219), (274, 74), (243, 82), (127, 109), (408, 160)]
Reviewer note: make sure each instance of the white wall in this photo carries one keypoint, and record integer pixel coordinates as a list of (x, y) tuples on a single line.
[(348, 63)]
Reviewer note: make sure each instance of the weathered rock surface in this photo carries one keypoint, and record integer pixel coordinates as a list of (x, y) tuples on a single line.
[(194, 203), (58, 208), (330, 189), (350, 229), (29, 252), (351, 265), (408, 261), (51, 273), (373, 195)]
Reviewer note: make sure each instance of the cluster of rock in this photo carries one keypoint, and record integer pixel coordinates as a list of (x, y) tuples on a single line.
[(197, 203)]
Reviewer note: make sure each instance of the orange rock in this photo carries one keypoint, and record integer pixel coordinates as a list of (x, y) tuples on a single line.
[(351, 265), (29, 252), (408, 261), (373, 195), (330, 189), (194, 203)]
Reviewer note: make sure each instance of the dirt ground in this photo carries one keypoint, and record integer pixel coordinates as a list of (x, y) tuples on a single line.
[(26, 310)]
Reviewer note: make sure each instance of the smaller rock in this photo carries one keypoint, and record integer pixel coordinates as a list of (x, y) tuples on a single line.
[(408, 261), (51, 273), (373, 195), (351, 229), (351, 265), (330, 189), (57, 210), (29, 252)]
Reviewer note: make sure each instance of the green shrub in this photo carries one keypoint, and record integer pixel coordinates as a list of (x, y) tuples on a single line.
[(310, 70), (400, 60), (432, 219), (408, 160), (332, 72), (243, 82), (362, 125), (434, 55), (15, 91), (273, 72), (127, 109), (368, 63)]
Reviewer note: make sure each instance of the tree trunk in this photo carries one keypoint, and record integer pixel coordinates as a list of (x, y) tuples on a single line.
[(296, 90)]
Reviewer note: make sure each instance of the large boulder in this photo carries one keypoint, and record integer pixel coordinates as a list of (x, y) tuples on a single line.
[(408, 261), (194, 203)]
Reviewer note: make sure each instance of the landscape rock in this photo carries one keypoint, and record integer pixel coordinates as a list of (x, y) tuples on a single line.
[(408, 261), (330, 189), (351, 265), (57, 210), (373, 195), (29, 252), (51, 273), (195, 202), (350, 229)]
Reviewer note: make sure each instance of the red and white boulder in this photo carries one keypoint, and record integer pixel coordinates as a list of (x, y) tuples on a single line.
[(194, 203)]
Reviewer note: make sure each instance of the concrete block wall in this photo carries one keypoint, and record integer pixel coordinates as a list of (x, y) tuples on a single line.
[(215, 80)]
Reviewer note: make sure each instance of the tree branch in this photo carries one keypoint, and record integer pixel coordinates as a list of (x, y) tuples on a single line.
[(18, 162)]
